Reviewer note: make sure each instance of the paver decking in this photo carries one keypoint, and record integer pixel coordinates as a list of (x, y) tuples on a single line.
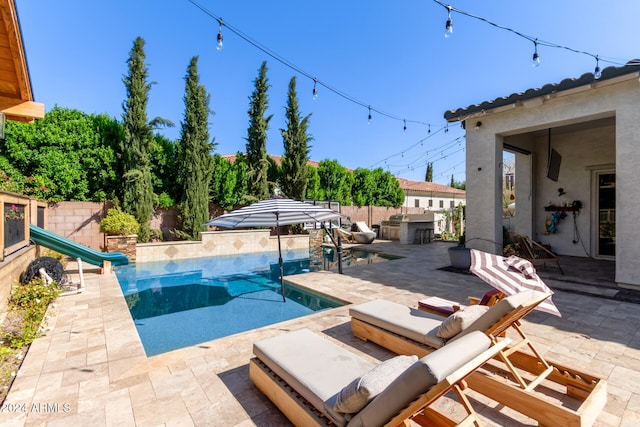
[(90, 367)]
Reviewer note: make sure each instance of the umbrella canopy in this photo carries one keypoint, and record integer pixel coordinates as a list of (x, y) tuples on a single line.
[(510, 275), (272, 212), (275, 212)]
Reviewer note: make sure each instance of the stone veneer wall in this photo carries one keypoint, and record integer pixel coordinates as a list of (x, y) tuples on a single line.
[(216, 243)]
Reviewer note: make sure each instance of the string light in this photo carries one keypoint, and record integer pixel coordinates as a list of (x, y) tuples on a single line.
[(404, 129), (369, 120), (315, 91), (597, 73), (448, 27), (219, 45), (524, 36), (536, 57)]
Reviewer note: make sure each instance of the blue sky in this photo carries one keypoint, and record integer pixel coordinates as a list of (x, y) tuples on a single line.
[(389, 55)]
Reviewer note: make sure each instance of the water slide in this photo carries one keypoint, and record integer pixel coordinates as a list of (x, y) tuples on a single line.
[(73, 249)]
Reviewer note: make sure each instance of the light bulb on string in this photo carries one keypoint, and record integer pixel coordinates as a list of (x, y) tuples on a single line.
[(219, 45), (404, 129), (597, 73), (315, 91), (429, 130), (536, 57), (369, 119), (448, 28)]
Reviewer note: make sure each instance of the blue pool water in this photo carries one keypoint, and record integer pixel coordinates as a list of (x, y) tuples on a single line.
[(186, 302)]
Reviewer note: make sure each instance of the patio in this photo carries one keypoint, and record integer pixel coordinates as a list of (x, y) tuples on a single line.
[(90, 368)]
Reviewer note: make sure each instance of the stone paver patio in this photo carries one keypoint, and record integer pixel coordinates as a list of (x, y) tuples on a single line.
[(90, 367)]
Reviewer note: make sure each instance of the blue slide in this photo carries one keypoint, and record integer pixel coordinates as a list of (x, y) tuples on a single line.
[(73, 249)]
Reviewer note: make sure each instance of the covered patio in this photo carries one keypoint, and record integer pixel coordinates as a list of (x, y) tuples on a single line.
[(576, 158)]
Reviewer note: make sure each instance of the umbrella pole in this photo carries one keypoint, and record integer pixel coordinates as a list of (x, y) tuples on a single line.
[(280, 259)]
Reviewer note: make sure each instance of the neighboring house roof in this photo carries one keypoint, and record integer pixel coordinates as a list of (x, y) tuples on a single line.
[(547, 90), (429, 188), (16, 97)]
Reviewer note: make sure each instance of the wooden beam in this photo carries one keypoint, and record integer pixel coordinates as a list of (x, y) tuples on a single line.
[(16, 109), (9, 15)]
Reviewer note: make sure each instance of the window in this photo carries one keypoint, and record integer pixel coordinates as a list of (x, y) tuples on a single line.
[(430, 203), (452, 204), (416, 203), (442, 203)]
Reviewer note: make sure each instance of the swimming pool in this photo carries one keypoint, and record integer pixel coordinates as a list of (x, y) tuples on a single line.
[(182, 303)]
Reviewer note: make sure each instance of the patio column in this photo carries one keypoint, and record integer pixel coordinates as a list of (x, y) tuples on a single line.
[(627, 196), (484, 188)]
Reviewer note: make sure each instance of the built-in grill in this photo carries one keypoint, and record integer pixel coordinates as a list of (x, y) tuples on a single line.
[(408, 228)]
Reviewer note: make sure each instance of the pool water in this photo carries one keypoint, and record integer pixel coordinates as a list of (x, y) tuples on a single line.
[(187, 302)]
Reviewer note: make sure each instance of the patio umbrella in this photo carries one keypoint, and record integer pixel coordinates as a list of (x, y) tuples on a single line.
[(510, 275), (275, 212)]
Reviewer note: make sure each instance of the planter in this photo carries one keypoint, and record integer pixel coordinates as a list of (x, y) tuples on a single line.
[(460, 257)]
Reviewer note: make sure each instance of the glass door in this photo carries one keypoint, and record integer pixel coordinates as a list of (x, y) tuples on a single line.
[(606, 214)]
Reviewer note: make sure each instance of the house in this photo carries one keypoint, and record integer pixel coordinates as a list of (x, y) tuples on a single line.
[(16, 97), (576, 148), (431, 196)]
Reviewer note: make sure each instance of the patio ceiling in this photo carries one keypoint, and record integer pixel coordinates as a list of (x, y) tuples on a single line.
[(16, 97)]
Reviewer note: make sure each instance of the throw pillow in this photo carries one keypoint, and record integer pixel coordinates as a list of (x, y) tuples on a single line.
[(460, 320), (359, 392)]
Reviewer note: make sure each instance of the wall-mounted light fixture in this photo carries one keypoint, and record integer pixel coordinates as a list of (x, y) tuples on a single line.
[(478, 125), (561, 192)]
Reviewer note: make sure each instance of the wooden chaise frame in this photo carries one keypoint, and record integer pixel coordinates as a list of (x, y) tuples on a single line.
[(301, 413), (519, 394)]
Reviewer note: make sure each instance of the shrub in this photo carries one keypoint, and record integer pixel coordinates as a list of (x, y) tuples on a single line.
[(29, 304), (119, 223)]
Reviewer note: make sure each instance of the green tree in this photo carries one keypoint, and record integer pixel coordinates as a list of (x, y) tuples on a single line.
[(429, 175), (313, 184), (335, 182), (68, 155), (453, 182), (137, 192), (223, 183), (376, 188), (257, 137), (296, 148), (194, 162), (163, 169)]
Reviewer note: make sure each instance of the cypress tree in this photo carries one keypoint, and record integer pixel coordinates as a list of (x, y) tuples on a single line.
[(257, 137), (194, 161), (296, 148), (137, 191), (429, 175)]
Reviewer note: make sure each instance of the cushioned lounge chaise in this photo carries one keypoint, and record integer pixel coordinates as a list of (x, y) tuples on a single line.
[(408, 331), (316, 382)]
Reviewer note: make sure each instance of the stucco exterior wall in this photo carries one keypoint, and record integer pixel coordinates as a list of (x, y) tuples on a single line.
[(582, 153)]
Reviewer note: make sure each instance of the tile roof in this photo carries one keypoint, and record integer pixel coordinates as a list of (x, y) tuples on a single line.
[(428, 187), (588, 78)]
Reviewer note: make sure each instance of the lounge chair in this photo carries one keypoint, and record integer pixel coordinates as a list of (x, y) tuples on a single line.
[(533, 251), (408, 331), (344, 234), (445, 307), (315, 382), (364, 233)]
